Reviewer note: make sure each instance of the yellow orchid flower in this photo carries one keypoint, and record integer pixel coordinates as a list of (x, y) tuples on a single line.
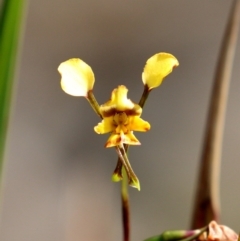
[(77, 77), (157, 68), (121, 117)]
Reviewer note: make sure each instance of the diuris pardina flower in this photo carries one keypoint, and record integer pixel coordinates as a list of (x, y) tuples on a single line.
[(157, 68), (121, 117), (77, 77)]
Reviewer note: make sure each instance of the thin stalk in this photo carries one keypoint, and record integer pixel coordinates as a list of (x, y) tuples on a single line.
[(144, 97), (125, 207), (194, 237), (207, 204), (93, 102), (125, 176)]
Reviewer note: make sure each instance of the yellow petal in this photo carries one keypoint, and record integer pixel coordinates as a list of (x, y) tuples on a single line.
[(130, 139), (119, 139), (120, 103), (113, 140), (138, 124), (119, 98), (77, 77), (157, 68), (105, 126)]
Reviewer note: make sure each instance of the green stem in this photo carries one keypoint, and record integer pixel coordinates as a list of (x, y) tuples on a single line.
[(179, 235), (194, 237)]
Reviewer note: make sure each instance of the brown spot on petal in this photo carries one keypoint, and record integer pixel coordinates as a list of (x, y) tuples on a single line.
[(113, 143), (108, 112), (112, 111)]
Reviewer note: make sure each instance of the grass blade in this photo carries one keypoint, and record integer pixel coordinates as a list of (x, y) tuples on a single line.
[(11, 19)]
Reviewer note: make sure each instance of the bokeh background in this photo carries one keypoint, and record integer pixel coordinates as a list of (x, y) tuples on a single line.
[(57, 183)]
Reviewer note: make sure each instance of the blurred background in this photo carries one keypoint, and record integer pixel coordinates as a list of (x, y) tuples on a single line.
[(57, 183)]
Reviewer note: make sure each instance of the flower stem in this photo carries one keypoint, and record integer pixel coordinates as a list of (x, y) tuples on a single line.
[(125, 206), (195, 236), (144, 97), (93, 102)]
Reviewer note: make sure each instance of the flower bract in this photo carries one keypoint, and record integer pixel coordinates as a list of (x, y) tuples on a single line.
[(157, 68), (77, 77), (121, 117), (221, 233), (218, 232)]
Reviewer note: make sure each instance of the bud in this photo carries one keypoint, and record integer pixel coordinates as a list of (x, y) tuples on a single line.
[(218, 232), (77, 77), (157, 68), (176, 235)]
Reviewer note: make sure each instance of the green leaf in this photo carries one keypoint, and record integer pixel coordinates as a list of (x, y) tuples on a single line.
[(11, 19)]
